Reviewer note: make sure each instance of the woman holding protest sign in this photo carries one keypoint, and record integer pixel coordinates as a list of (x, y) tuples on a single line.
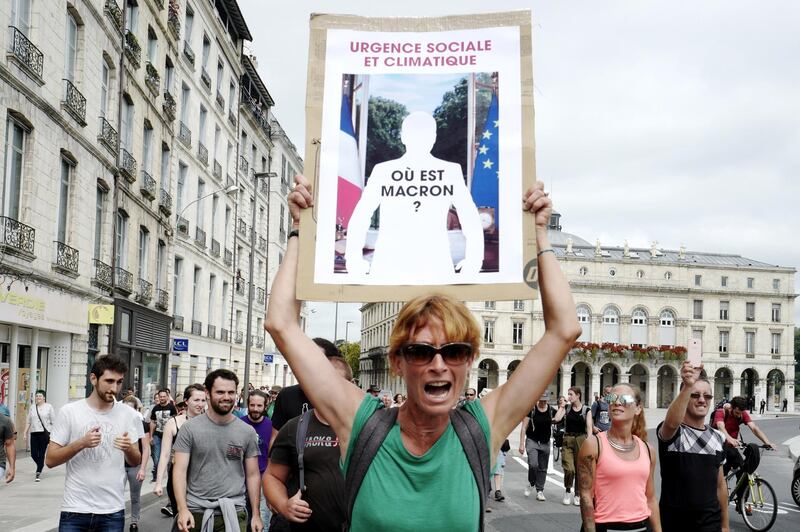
[(425, 450)]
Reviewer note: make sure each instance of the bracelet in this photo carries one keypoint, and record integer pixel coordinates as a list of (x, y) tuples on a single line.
[(294, 232), (545, 251)]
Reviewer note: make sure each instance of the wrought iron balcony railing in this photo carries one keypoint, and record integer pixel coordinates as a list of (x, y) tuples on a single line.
[(199, 237), (173, 19), (205, 78), (262, 243), (127, 166), (211, 331), (228, 259), (124, 280), (260, 295), (162, 299), (202, 153), (232, 117), (259, 341), (145, 293), (114, 13), (102, 274), (17, 238), (133, 51), (239, 337), (152, 78), (26, 53), (264, 186), (108, 136), (66, 259), (217, 172), (220, 101), (185, 135), (165, 202), (224, 335), (243, 165), (241, 227), (148, 186), (240, 287), (183, 226), (74, 102), (214, 248), (197, 327), (169, 106), (188, 53), (177, 322)]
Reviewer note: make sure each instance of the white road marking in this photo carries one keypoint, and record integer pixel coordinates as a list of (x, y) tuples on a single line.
[(555, 481)]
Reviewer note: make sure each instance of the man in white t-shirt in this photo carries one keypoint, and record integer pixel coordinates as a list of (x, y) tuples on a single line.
[(95, 437)]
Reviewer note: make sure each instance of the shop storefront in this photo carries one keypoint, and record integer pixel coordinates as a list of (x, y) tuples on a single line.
[(141, 338), (38, 328)]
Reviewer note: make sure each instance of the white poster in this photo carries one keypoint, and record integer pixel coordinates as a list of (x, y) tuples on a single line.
[(420, 163)]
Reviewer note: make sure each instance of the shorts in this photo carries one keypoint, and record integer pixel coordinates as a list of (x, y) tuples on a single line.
[(500, 464)]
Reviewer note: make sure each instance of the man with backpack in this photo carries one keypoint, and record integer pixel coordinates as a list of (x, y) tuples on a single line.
[(600, 417), (303, 481), (534, 440)]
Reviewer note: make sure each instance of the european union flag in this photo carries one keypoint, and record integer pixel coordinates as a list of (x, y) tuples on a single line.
[(485, 176)]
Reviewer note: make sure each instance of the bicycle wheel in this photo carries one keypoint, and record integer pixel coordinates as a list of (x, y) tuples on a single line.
[(759, 505)]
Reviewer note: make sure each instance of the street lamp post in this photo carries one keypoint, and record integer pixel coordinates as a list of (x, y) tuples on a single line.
[(346, 330), (251, 290), (230, 189)]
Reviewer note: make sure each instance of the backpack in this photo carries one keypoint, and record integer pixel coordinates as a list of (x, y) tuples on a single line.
[(717, 406), (377, 427)]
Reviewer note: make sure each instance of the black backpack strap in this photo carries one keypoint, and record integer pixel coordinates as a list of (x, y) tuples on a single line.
[(362, 451), (300, 443), (473, 441)]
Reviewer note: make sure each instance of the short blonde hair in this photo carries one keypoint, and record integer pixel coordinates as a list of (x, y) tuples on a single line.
[(457, 321)]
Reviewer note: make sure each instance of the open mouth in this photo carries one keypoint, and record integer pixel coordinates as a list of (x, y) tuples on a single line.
[(437, 389)]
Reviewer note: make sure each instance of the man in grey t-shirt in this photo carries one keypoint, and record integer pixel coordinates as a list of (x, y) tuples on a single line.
[(216, 463)]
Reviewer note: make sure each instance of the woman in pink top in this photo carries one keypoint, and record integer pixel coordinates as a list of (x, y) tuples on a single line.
[(615, 470)]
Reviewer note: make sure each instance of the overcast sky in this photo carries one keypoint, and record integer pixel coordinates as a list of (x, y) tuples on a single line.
[(676, 122)]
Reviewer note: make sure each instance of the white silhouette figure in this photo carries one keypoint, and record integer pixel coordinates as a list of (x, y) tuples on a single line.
[(415, 193)]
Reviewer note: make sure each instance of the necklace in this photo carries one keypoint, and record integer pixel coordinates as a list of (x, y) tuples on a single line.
[(622, 447)]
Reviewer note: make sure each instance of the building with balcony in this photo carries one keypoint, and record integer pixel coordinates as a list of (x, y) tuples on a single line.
[(638, 309), (206, 89)]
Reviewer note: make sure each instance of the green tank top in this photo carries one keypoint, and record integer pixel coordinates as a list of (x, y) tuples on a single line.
[(403, 492)]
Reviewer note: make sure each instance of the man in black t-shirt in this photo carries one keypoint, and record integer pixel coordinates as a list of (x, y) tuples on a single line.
[(159, 415), (534, 440), (291, 401), (694, 495), (321, 506)]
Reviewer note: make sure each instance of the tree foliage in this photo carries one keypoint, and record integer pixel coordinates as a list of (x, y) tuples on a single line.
[(383, 128), (351, 352), (451, 120)]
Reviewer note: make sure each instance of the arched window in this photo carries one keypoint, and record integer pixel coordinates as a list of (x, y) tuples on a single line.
[(583, 270), (611, 325), (666, 328), (639, 327), (585, 319)]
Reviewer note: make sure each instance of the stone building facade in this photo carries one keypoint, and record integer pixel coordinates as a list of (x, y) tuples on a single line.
[(638, 308), (117, 115)]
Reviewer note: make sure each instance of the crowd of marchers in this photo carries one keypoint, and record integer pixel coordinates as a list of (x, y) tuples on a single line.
[(326, 455)]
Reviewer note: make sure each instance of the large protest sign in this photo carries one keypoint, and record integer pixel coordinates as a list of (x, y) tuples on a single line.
[(419, 145)]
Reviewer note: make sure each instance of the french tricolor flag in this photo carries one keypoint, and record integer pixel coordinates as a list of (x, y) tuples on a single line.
[(351, 182)]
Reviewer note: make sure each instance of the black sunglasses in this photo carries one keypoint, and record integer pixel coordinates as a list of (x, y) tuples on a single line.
[(706, 396), (453, 354)]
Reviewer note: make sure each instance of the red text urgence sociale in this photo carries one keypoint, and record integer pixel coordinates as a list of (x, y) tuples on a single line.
[(409, 54)]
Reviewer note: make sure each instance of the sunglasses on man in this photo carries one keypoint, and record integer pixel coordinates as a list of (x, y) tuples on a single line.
[(706, 396), (453, 354)]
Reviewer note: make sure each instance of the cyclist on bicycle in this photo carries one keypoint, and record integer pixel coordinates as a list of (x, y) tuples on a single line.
[(694, 495), (727, 420)]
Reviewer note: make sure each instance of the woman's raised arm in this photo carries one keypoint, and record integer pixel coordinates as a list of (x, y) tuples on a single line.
[(510, 402), (335, 398)]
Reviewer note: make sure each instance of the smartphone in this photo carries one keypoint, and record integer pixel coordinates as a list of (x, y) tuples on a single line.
[(695, 352)]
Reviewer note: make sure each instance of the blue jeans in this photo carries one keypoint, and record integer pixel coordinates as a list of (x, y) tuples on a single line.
[(155, 445), (75, 522)]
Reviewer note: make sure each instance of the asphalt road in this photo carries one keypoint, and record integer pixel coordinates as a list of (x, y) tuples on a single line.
[(518, 513)]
